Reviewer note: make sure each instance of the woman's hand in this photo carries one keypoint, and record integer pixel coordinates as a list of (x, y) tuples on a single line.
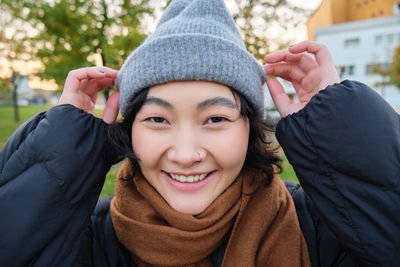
[(309, 74), (82, 86)]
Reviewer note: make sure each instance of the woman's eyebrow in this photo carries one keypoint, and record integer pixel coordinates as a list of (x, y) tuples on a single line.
[(157, 101), (217, 101)]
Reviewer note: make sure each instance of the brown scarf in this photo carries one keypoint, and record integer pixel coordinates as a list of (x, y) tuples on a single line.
[(265, 230)]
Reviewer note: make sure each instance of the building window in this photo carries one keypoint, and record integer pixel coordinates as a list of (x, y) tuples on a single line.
[(378, 39), (347, 70), (351, 43), (376, 67), (387, 38), (350, 70)]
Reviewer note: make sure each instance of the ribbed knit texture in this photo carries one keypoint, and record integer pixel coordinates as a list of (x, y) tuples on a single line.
[(194, 40)]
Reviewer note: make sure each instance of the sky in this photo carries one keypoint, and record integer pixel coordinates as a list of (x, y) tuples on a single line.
[(312, 4), (301, 34)]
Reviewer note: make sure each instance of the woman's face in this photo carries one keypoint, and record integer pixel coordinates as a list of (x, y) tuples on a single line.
[(180, 122)]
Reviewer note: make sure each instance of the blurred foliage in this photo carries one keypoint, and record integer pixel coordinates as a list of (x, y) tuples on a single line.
[(260, 20), (265, 23), (5, 92), (4, 84), (69, 34), (395, 66), (13, 50), (391, 75), (13, 45)]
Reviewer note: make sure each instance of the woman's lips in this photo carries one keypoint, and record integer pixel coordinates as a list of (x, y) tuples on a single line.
[(188, 178), (190, 182)]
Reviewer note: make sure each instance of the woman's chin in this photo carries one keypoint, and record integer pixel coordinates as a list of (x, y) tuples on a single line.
[(189, 208)]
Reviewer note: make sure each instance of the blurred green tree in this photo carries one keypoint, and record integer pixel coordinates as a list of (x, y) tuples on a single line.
[(395, 67), (267, 25), (69, 34), (14, 51), (390, 73)]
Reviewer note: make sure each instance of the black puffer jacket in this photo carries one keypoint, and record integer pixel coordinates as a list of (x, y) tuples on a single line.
[(345, 146)]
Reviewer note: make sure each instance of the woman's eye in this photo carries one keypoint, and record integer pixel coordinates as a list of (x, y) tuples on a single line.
[(157, 120), (216, 119)]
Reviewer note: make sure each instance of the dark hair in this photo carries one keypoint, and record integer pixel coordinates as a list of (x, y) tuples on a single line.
[(261, 156), (120, 133)]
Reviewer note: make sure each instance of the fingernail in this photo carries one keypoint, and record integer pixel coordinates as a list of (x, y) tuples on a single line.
[(100, 71)]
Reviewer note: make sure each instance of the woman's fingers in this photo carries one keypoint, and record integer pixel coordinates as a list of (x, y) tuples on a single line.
[(321, 52), (312, 58), (304, 61), (112, 108), (76, 77), (281, 99), (288, 71), (106, 82), (308, 65), (82, 86), (97, 85), (276, 57)]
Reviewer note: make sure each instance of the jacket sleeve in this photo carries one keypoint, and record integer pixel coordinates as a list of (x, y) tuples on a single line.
[(51, 173), (345, 148)]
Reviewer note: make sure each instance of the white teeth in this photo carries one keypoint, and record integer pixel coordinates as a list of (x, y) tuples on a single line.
[(188, 179)]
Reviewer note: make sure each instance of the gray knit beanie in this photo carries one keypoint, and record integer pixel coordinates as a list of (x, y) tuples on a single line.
[(194, 40)]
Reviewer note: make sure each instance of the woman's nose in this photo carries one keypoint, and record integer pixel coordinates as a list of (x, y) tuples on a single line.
[(186, 149)]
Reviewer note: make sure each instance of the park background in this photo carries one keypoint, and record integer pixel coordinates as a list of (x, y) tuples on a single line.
[(40, 41)]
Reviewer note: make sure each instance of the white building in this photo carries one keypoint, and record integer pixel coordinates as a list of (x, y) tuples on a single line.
[(360, 46), (23, 89)]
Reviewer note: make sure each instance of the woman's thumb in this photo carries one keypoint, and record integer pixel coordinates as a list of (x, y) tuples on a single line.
[(112, 108)]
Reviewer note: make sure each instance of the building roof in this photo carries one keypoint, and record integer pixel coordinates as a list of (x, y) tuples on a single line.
[(356, 25)]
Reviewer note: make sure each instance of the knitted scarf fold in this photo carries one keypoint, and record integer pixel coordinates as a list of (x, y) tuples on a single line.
[(264, 226)]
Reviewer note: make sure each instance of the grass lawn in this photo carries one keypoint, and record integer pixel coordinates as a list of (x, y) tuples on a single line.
[(287, 171), (8, 126), (7, 123)]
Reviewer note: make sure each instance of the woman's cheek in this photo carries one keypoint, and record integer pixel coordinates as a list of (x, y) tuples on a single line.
[(229, 148), (147, 144)]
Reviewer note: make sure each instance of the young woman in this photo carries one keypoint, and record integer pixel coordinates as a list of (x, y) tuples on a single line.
[(199, 185)]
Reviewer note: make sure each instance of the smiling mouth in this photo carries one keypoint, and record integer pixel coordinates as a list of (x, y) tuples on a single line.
[(190, 178)]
